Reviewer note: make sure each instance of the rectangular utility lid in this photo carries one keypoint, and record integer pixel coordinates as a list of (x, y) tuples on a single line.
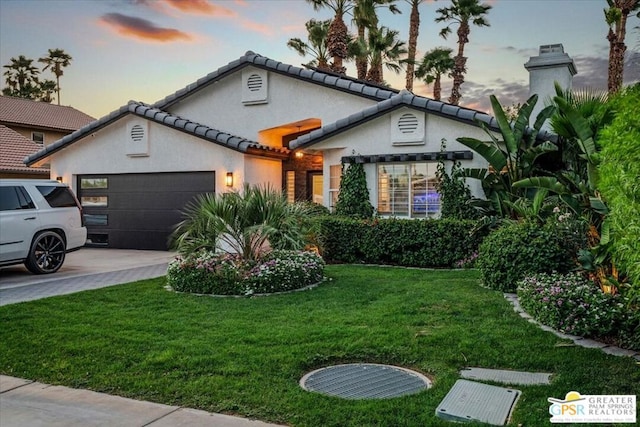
[(469, 401)]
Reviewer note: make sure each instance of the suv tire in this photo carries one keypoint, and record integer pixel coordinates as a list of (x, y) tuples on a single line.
[(47, 253)]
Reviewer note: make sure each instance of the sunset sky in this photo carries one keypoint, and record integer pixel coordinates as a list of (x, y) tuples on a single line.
[(144, 50)]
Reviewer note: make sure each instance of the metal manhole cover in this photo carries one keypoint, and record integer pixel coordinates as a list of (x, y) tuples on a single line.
[(365, 381)]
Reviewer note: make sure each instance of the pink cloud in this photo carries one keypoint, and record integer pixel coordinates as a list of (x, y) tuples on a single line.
[(142, 29), (201, 7)]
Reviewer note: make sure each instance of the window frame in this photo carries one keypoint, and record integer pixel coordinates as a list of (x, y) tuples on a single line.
[(402, 197)]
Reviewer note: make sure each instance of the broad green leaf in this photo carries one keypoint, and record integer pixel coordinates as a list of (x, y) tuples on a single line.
[(490, 153), (549, 183)]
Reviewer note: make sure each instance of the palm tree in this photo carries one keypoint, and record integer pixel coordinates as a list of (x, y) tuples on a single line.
[(366, 18), (338, 36), (434, 64), (46, 90), (57, 60), (317, 46), (616, 16), (414, 30), (246, 223), (463, 13), (384, 49), (21, 78)]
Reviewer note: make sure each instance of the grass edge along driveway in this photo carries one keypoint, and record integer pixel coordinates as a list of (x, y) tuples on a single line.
[(245, 356)]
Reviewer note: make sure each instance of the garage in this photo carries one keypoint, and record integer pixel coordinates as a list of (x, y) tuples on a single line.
[(138, 210)]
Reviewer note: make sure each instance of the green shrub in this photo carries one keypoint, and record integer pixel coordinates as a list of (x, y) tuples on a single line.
[(406, 242), (516, 250), (285, 271), (630, 329), (455, 194), (618, 181), (353, 198), (572, 304), (227, 274)]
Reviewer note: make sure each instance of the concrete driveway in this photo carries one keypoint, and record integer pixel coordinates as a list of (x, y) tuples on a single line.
[(87, 268)]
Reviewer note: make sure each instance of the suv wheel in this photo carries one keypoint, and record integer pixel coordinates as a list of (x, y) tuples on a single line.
[(46, 254)]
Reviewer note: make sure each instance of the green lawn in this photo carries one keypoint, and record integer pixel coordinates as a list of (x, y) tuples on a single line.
[(245, 356)]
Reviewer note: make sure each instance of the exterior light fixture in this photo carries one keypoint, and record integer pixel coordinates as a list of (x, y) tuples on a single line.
[(299, 154), (59, 178), (229, 179)]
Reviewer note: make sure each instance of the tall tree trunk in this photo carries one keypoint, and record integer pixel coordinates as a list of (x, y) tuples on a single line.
[(57, 88), (374, 75), (337, 41), (617, 47), (437, 92), (414, 29), (361, 62), (460, 64)]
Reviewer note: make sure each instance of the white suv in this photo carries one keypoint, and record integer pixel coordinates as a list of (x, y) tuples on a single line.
[(40, 221)]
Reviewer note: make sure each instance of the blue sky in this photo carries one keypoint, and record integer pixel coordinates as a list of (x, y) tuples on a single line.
[(147, 49)]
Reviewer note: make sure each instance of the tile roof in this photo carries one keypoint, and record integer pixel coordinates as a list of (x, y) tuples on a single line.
[(328, 79), (155, 114), (387, 99), (402, 99), (39, 114), (13, 149)]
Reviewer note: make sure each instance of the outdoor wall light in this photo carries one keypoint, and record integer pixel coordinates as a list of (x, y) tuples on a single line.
[(229, 180), (59, 178), (299, 154)]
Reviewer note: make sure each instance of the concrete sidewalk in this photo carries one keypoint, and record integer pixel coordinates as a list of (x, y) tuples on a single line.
[(27, 403)]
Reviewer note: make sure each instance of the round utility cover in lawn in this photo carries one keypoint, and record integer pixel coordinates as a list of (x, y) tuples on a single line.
[(365, 381)]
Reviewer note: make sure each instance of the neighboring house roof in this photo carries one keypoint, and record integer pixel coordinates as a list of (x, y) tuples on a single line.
[(403, 99), (13, 149), (41, 115), (162, 117)]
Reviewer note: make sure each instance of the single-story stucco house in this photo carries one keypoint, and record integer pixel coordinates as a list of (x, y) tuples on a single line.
[(258, 121)]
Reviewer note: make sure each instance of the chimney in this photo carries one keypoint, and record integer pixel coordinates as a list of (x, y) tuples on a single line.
[(550, 66)]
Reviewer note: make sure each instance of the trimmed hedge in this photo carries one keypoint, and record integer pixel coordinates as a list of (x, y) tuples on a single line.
[(517, 250), (405, 242)]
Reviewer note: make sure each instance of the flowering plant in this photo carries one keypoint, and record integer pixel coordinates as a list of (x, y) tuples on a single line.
[(467, 262), (207, 272), (570, 303)]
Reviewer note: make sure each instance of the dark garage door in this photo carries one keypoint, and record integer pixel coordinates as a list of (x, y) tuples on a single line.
[(138, 211)]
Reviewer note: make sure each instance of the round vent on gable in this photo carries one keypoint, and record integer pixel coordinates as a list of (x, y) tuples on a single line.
[(137, 133), (408, 123), (254, 83)]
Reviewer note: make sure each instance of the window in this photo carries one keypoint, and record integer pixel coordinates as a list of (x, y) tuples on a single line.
[(14, 198), (316, 185), (57, 197), (37, 137), (291, 186), (408, 189), (96, 219), (94, 201), (87, 183), (335, 174)]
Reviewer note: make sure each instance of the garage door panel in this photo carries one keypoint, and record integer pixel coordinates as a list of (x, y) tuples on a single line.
[(150, 201), (144, 220), (143, 240), (142, 209)]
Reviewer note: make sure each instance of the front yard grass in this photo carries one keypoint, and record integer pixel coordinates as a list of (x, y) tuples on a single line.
[(245, 356)]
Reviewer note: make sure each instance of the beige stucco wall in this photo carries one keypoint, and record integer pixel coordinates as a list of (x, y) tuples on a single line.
[(289, 100), (374, 137), (49, 136), (169, 151)]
